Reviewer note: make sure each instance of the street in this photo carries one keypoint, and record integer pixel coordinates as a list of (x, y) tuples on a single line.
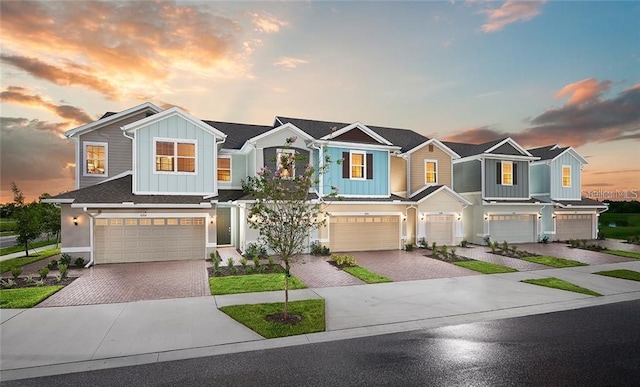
[(590, 346)]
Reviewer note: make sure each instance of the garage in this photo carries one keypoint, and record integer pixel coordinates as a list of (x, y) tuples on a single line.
[(149, 239), (515, 228), (358, 233), (574, 226), (439, 229)]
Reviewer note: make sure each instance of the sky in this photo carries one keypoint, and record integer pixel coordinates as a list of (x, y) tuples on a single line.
[(541, 72)]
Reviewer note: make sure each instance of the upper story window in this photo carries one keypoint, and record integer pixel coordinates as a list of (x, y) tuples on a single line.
[(431, 171), (358, 166), (95, 158), (224, 168), (175, 156), (506, 173), (566, 176), (286, 162)]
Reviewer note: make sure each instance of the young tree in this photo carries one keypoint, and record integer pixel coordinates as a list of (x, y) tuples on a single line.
[(50, 218), (283, 212), (27, 219)]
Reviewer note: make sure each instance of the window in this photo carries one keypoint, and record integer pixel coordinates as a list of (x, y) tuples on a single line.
[(566, 176), (507, 173), (357, 162), (286, 162), (224, 168), (175, 156), (430, 172), (95, 158)]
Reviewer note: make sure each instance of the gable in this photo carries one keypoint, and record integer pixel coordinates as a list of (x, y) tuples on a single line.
[(507, 149), (356, 135), (145, 109)]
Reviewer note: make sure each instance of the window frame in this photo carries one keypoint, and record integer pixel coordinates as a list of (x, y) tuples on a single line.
[(562, 177), (230, 169), (503, 173), (292, 152), (435, 171), (175, 142), (363, 165), (86, 144)]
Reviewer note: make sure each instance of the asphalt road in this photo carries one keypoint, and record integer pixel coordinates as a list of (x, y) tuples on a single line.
[(584, 347), (10, 240)]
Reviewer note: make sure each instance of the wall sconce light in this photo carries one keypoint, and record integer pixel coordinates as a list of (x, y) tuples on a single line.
[(75, 220), (423, 216), (486, 216), (539, 216), (553, 216), (404, 217), (459, 217)]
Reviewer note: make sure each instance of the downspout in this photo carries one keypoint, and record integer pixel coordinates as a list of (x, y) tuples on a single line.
[(320, 175), (91, 236)]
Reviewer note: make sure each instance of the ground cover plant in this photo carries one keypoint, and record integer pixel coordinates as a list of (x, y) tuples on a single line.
[(252, 283), (621, 253), (484, 267), (26, 297), (621, 273), (266, 319), (557, 283), (553, 261)]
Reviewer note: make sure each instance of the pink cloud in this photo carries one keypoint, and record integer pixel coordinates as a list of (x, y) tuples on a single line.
[(19, 95), (586, 90), (511, 12)]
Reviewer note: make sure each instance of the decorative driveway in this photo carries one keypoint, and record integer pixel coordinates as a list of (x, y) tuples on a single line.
[(316, 272), (483, 253), (562, 250), (126, 282), (618, 244)]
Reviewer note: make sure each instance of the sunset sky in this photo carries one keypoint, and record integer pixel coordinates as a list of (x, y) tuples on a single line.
[(473, 71)]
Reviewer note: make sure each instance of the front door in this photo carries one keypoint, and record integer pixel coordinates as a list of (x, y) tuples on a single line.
[(223, 226)]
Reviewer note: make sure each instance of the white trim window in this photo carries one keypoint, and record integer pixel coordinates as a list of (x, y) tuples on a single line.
[(286, 163), (358, 165), (507, 173), (431, 171), (95, 158), (224, 169), (566, 176), (175, 156)]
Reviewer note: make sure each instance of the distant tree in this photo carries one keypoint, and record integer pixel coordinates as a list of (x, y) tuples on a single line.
[(6, 211), (28, 220), (50, 215)]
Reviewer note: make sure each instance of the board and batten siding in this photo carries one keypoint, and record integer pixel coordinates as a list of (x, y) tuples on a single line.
[(270, 161), (467, 176), (539, 179), (377, 186), (177, 128), (494, 190), (118, 152), (417, 161), (559, 192)]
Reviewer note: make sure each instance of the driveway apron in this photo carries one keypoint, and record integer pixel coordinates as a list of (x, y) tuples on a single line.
[(561, 250), (480, 253), (316, 272)]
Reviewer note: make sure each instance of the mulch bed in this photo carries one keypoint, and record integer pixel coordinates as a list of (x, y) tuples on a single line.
[(49, 281), (226, 271), (449, 259), (293, 319)]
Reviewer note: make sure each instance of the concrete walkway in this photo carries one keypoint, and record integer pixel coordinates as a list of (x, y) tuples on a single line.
[(46, 341), (21, 254)]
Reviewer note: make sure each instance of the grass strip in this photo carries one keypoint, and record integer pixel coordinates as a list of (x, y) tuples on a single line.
[(548, 260), (557, 283), (485, 267), (19, 248), (622, 274), (249, 283), (366, 275), (25, 297), (622, 253), (254, 317), (9, 264)]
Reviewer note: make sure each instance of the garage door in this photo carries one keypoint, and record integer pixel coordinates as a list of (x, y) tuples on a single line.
[(575, 226), (149, 239), (364, 233), (439, 229), (512, 228)]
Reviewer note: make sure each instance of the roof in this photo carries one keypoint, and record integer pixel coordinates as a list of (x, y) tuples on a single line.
[(425, 193), (173, 112), (229, 195), (404, 138), (109, 118), (118, 191), (238, 134), (548, 152), (466, 149), (520, 201), (390, 199), (583, 202)]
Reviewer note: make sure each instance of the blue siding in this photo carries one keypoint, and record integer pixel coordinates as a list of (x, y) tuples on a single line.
[(378, 186), (559, 192), (539, 179)]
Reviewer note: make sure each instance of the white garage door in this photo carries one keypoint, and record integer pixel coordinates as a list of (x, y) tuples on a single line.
[(575, 226), (363, 233), (149, 239), (512, 228), (439, 229)]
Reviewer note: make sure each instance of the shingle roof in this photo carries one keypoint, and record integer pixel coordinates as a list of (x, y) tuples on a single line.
[(392, 198), (546, 152), (466, 149), (229, 195), (426, 192), (237, 134), (406, 139), (583, 202), (520, 201)]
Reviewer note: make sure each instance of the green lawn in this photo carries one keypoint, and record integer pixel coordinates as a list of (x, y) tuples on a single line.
[(554, 261), (622, 274), (254, 317), (9, 264), (626, 225), (485, 267), (557, 283), (252, 283), (17, 249), (8, 225), (25, 297), (366, 275), (622, 253)]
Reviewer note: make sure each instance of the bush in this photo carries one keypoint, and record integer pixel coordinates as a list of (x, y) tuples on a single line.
[(255, 250), (408, 247), (29, 279), (505, 247), (443, 251), (344, 260), (52, 265), (43, 272), (8, 283), (79, 262), (494, 246), (243, 262), (16, 271), (317, 249), (464, 243), (256, 262), (230, 262), (453, 251), (601, 236), (545, 239), (434, 249), (64, 270), (65, 259), (271, 261)]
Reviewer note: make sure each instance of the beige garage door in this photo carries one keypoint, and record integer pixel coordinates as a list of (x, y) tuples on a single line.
[(439, 229), (512, 228), (149, 239), (364, 233), (575, 226)]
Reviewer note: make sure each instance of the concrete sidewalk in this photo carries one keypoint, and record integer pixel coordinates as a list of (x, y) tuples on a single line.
[(21, 254), (46, 341)]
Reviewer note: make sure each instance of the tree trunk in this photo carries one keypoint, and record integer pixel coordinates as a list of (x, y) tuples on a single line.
[(286, 290), (26, 248)]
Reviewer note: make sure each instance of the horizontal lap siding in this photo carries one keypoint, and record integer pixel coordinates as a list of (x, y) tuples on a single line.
[(418, 170)]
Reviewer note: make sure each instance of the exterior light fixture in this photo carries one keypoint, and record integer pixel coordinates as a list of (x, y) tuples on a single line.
[(75, 220)]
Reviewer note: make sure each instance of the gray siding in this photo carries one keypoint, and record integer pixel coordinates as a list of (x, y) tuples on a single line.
[(119, 150), (270, 158), (507, 149), (559, 192), (467, 176), (539, 179), (518, 190)]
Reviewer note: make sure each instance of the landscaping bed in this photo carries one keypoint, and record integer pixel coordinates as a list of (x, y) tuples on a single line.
[(348, 264)]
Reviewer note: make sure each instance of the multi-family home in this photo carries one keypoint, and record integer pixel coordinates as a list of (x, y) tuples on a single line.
[(155, 184)]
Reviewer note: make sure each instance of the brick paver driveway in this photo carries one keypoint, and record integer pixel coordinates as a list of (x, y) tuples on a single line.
[(561, 250), (617, 244), (483, 253), (316, 272), (126, 282)]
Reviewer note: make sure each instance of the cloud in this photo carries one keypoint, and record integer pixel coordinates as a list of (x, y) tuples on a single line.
[(267, 23), (477, 135), (19, 95), (511, 12), (584, 91), (616, 171), (289, 63)]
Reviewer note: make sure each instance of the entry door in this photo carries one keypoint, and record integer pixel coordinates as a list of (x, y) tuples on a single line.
[(223, 225)]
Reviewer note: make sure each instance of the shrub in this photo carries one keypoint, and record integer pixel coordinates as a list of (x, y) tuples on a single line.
[(487, 240), (256, 262), (318, 249), (443, 251), (65, 259), (40, 282), (248, 269), (453, 251), (505, 247), (514, 248), (43, 272), (601, 236), (464, 243), (233, 270), (583, 242), (52, 265), (255, 250), (545, 239), (494, 246), (230, 262), (8, 283), (271, 261), (64, 270), (408, 247), (434, 249), (243, 262), (79, 262), (344, 260), (212, 256), (16, 271), (29, 279)]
